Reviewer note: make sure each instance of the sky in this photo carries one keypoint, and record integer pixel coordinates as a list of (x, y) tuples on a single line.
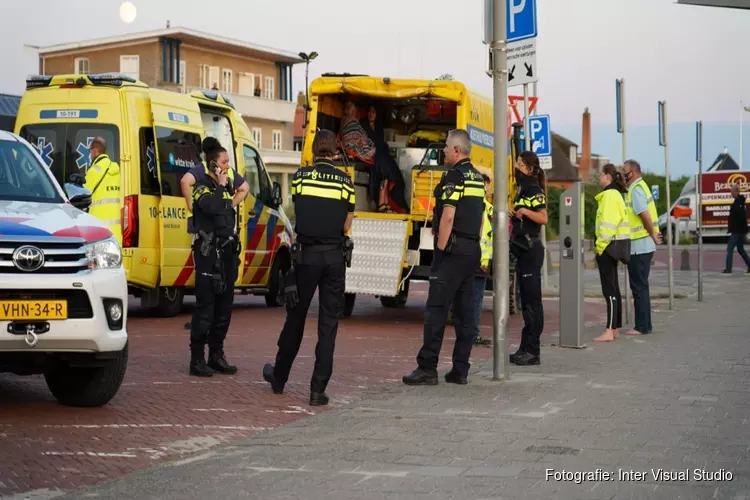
[(689, 56)]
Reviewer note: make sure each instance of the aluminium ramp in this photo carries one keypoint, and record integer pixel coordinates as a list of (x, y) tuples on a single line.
[(380, 243)]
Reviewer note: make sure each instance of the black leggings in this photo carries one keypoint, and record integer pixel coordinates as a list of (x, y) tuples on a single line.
[(611, 289)]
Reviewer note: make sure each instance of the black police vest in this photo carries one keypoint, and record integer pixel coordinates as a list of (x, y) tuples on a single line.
[(223, 224)]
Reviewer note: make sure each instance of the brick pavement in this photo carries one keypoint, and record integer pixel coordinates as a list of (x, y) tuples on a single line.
[(160, 413), (676, 400)]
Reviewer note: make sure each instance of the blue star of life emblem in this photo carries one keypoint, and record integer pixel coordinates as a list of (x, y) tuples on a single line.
[(84, 155), (151, 159), (45, 150)]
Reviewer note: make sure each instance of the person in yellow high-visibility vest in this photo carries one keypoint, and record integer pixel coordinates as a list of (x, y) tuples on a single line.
[(612, 238), (480, 280), (644, 236), (103, 180)]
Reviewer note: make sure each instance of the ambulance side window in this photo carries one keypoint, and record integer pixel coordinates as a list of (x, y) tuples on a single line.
[(251, 170), (178, 151), (149, 174)]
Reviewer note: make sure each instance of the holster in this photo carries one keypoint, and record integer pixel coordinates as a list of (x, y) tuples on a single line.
[(451, 243), (296, 252), (206, 242), (347, 248)]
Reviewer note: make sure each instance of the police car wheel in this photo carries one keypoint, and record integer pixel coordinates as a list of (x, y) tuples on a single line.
[(88, 386)]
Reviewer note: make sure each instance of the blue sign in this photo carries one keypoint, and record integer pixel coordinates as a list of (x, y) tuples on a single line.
[(84, 155), (541, 135), (520, 20), (481, 137), (179, 117), (655, 192)]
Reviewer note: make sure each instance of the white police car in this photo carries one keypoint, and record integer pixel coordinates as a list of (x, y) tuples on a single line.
[(63, 291)]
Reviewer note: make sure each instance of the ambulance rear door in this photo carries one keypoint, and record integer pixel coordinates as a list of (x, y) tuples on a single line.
[(178, 130)]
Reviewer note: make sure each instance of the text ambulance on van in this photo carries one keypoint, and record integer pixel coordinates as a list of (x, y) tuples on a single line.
[(155, 137)]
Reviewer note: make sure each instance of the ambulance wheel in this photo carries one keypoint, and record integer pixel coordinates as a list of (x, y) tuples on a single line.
[(170, 301), (349, 299), (275, 295), (399, 301)]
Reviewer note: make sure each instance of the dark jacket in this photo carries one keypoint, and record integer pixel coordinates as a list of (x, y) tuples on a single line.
[(738, 216)]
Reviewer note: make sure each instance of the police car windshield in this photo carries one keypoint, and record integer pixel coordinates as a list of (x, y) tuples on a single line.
[(23, 176)]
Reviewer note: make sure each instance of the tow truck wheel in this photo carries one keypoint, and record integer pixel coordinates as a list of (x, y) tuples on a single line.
[(349, 299), (170, 301), (88, 386), (399, 301)]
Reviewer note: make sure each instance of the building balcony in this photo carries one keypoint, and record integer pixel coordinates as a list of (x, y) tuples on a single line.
[(260, 108)]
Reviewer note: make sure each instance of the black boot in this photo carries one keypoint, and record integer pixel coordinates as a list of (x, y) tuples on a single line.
[(420, 377), (318, 399), (527, 359), (218, 362), (453, 377), (269, 377), (198, 366), (518, 354)]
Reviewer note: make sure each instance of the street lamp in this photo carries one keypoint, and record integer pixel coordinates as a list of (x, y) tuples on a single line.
[(307, 58), (742, 119)]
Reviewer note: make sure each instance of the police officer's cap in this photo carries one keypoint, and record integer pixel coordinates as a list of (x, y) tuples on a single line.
[(324, 143)]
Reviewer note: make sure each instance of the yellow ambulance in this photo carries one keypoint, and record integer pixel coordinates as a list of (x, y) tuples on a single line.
[(155, 137), (414, 117)]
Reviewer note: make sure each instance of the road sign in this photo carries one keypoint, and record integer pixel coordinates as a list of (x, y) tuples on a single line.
[(541, 139), (522, 68), (520, 20), (516, 102), (655, 192)]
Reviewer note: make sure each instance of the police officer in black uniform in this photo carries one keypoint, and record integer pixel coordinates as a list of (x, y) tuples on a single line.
[(528, 216), (216, 248), (458, 219), (324, 206)]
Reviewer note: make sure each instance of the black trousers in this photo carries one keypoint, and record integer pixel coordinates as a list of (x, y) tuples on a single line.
[(529, 275), (610, 289), (451, 282), (325, 271), (639, 268), (212, 312)]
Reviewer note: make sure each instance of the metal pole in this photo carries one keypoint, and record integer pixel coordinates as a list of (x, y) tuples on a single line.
[(526, 131), (544, 228), (663, 105), (624, 159), (742, 119), (699, 215), (500, 281)]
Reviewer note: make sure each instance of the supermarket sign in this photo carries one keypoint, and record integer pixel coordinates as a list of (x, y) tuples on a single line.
[(716, 195)]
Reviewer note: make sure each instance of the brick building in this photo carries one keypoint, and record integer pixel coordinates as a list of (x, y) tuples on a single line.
[(257, 79)]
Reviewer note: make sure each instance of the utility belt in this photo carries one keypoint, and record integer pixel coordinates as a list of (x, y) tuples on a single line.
[(346, 247), (455, 239), (520, 244), (206, 242)]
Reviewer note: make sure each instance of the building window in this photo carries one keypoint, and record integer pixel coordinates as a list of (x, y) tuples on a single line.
[(226, 81), (209, 77), (130, 65), (276, 140), (298, 144), (183, 77), (257, 136), (247, 84), (270, 86), (81, 66)]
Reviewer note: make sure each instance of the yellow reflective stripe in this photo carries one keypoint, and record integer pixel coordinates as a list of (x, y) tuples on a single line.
[(622, 237), (348, 188), (105, 201), (318, 192), (478, 192), (608, 225)]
